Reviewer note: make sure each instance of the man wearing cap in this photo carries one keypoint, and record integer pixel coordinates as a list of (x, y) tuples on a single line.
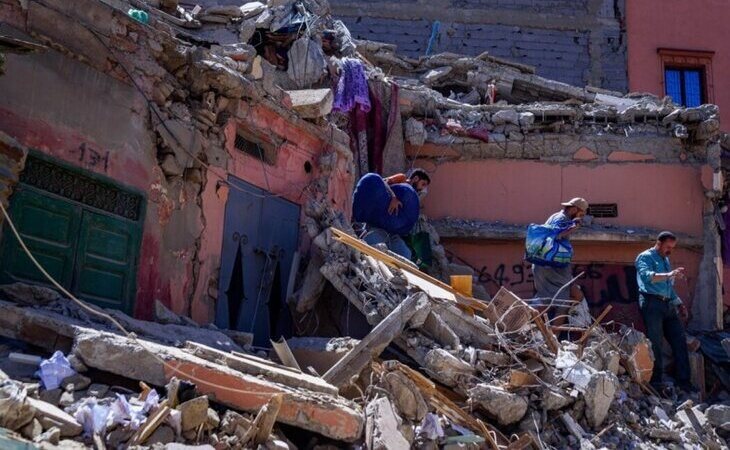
[(662, 309), (549, 280)]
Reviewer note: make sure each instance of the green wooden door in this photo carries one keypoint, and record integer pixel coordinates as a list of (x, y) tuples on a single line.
[(91, 253), (50, 228), (104, 261)]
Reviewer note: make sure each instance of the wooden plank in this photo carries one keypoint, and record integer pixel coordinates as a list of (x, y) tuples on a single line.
[(550, 339), (262, 425), (398, 264), (375, 342), (152, 423), (508, 312), (595, 323), (582, 341), (252, 366), (697, 368)]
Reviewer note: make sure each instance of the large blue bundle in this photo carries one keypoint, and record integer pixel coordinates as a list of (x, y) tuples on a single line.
[(543, 247), (370, 205)]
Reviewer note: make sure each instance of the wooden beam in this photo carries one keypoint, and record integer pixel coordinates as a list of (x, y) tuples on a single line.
[(550, 339), (375, 342), (391, 261), (262, 425)]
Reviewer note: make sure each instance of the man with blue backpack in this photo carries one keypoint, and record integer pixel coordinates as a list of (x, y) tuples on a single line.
[(389, 207), (548, 248)]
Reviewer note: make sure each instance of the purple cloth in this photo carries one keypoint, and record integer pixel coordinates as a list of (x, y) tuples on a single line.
[(352, 87)]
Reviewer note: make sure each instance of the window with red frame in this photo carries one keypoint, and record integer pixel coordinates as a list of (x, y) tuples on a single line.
[(687, 76)]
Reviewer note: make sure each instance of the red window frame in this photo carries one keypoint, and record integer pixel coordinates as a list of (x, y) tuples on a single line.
[(689, 59)]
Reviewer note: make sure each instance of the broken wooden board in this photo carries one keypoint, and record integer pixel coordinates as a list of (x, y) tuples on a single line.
[(253, 366), (375, 342), (427, 283), (329, 415), (509, 312), (263, 424)]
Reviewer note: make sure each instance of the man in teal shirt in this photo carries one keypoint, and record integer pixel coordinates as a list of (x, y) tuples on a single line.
[(662, 309)]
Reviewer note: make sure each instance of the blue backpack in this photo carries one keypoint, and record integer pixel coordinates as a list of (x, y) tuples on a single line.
[(544, 248), (370, 205)]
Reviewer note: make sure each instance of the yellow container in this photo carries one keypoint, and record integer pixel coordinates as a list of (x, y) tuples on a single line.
[(462, 284)]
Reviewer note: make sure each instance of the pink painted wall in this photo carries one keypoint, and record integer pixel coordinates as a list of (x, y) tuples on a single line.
[(287, 177), (499, 263), (650, 195), (678, 24)]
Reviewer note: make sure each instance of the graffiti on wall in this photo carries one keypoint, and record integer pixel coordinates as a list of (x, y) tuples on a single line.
[(90, 157), (602, 284)]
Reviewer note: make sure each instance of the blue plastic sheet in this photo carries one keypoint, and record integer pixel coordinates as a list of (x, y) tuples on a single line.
[(371, 200), (544, 248)]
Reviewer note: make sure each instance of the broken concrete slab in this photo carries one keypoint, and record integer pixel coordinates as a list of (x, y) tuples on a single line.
[(506, 407), (598, 396), (553, 399), (26, 294), (382, 430), (311, 103), (49, 416), (16, 408), (193, 412), (446, 367), (375, 342), (307, 62), (156, 364), (405, 395), (259, 367)]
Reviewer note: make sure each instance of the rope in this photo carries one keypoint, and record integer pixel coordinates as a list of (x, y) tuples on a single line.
[(128, 335)]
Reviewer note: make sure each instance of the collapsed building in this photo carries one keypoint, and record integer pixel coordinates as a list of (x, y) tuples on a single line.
[(176, 162)]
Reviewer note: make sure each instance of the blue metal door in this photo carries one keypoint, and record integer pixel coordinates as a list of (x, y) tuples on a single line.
[(260, 236)]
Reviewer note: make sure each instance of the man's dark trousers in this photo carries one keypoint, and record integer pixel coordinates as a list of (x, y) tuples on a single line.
[(662, 321)]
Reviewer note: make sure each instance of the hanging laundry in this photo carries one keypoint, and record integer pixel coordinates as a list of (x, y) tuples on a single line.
[(352, 87)]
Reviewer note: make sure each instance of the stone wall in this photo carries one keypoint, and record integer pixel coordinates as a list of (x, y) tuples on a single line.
[(12, 160), (580, 42)]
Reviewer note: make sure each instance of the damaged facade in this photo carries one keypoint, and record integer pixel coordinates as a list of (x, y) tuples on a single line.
[(195, 166)]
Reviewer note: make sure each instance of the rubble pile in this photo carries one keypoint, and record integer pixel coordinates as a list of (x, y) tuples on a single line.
[(467, 372), (470, 374)]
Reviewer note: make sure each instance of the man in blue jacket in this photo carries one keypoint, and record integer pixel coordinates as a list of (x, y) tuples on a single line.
[(662, 309), (419, 181)]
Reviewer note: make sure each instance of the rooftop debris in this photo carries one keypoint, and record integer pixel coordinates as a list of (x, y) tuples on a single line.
[(470, 373)]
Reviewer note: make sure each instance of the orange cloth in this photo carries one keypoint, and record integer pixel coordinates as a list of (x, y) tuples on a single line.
[(396, 179)]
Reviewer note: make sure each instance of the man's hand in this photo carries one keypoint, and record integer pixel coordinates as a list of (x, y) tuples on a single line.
[(677, 273), (683, 313), (394, 206)]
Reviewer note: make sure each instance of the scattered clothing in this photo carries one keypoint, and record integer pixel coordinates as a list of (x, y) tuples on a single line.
[(352, 87)]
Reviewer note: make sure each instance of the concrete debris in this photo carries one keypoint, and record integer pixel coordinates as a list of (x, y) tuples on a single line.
[(382, 431), (485, 370), (307, 63), (506, 407), (15, 409), (598, 397), (405, 395), (311, 103), (446, 367), (193, 412)]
